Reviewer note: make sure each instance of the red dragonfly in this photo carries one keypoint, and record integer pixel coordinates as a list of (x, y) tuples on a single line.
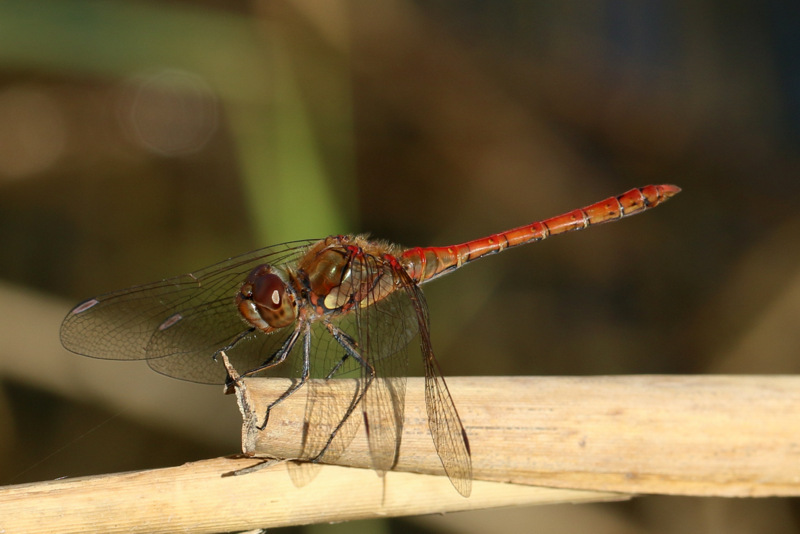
[(343, 306)]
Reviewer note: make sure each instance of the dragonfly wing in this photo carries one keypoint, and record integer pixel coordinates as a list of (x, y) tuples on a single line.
[(385, 327), (449, 436), (188, 317), (251, 350)]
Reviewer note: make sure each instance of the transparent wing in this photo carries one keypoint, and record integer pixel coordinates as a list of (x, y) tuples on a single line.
[(325, 414), (449, 436), (385, 327), (179, 323), (252, 349)]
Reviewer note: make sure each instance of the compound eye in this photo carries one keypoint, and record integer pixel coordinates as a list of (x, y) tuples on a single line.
[(265, 301), (268, 291)]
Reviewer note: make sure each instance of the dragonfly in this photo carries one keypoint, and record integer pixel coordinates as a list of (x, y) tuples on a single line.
[(345, 306)]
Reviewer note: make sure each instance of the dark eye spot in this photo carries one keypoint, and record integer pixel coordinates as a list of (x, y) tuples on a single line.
[(268, 290)]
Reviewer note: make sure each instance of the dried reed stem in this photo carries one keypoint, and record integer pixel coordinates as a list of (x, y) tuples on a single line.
[(687, 435)]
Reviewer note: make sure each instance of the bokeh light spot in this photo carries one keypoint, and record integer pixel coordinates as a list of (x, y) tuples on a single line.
[(169, 112)]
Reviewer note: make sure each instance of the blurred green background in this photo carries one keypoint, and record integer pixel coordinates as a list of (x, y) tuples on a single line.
[(140, 140)]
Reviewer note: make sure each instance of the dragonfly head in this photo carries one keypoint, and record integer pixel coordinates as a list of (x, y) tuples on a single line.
[(266, 300)]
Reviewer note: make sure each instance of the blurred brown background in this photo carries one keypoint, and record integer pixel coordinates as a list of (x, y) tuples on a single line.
[(140, 140)]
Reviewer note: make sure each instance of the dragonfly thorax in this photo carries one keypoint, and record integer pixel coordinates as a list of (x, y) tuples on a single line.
[(321, 273), (265, 300), (338, 274)]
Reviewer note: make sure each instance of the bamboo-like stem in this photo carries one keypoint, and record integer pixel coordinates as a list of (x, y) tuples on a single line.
[(687, 435), (198, 498), (681, 435)]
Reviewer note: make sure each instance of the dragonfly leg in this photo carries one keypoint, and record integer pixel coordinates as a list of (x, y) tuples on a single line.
[(337, 366), (278, 357), (351, 351), (295, 384), (233, 343), (351, 342)]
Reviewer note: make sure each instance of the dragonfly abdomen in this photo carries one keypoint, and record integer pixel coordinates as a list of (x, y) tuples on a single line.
[(426, 263)]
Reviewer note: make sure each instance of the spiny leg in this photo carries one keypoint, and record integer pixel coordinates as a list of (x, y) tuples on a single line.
[(350, 351), (279, 354), (228, 380), (303, 376), (276, 359), (341, 362)]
